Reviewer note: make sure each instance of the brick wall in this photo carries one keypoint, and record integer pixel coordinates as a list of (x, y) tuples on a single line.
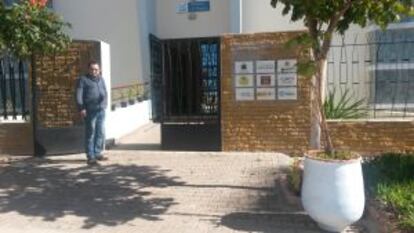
[(56, 80), (16, 138), (262, 125), (371, 137)]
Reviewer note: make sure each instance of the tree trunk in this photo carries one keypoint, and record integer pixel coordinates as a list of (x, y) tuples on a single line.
[(319, 125)]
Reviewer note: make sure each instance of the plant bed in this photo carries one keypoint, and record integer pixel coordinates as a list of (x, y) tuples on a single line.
[(384, 220), (390, 181)]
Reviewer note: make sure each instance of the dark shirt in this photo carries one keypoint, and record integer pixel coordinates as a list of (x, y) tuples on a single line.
[(91, 93)]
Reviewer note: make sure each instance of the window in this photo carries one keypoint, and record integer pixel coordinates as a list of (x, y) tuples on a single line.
[(393, 71)]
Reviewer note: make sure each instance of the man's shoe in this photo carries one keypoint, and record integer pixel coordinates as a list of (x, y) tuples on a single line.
[(101, 158), (92, 162)]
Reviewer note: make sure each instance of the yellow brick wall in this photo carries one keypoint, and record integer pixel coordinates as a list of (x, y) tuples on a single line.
[(371, 137), (56, 76), (56, 81), (262, 125)]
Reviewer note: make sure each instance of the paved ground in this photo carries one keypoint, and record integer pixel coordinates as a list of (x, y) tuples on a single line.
[(150, 191)]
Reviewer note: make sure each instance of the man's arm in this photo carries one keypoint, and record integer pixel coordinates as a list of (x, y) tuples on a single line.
[(105, 97), (79, 97)]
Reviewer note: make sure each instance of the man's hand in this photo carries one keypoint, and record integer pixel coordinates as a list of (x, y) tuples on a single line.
[(83, 113)]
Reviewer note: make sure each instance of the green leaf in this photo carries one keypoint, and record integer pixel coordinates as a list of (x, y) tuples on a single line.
[(307, 68), (345, 107), (25, 29)]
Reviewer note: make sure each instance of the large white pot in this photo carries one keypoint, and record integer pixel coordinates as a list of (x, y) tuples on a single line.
[(333, 192)]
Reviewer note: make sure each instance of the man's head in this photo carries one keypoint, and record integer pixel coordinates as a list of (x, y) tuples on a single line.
[(94, 69)]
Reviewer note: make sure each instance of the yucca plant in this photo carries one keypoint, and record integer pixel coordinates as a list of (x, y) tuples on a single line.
[(346, 107)]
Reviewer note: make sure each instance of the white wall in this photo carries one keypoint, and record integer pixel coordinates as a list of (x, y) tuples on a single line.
[(124, 121), (260, 16), (115, 22), (215, 22)]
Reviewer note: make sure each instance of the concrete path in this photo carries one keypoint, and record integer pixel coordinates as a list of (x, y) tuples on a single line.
[(151, 191)]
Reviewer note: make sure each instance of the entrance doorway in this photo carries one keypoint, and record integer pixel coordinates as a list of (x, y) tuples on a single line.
[(185, 77)]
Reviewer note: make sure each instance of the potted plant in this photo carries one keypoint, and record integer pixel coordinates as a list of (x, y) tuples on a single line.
[(140, 93), (332, 187), (124, 103), (131, 95)]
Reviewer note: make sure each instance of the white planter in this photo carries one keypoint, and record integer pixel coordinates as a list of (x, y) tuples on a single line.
[(333, 192)]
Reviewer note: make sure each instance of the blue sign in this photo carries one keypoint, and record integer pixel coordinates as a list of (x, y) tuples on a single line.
[(199, 6)]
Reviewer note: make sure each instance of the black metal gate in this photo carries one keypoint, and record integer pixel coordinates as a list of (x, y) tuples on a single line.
[(189, 109), (13, 88)]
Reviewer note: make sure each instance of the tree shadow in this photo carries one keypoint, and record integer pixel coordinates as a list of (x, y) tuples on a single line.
[(103, 195), (274, 210), (137, 146), (270, 222)]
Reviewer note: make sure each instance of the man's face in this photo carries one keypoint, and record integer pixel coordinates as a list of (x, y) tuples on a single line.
[(94, 70)]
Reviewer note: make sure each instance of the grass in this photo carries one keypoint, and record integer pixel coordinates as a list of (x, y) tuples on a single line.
[(390, 179)]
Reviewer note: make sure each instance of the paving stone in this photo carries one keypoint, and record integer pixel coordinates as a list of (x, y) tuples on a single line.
[(150, 191)]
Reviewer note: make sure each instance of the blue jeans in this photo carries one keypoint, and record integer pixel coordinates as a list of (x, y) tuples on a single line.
[(94, 133)]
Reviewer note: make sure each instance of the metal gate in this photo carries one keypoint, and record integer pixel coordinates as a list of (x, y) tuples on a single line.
[(189, 94)]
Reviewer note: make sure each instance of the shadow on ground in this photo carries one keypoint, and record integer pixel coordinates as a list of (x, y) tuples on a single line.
[(277, 210), (274, 210), (136, 146), (107, 195), (269, 222)]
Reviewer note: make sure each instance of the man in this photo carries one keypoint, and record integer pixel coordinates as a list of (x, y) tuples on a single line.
[(92, 100)]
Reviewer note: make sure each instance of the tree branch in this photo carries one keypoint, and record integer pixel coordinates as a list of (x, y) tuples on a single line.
[(331, 27)]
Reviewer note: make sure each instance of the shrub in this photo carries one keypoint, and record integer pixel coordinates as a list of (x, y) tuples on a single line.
[(391, 180), (294, 176)]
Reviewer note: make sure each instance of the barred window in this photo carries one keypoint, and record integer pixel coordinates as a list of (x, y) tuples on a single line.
[(14, 89)]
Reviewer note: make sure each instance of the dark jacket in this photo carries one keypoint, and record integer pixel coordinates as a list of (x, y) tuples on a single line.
[(91, 93)]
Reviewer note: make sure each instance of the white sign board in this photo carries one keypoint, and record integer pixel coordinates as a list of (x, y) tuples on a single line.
[(287, 93), (243, 67), (243, 94), (287, 66), (287, 79), (244, 80), (266, 93), (265, 67)]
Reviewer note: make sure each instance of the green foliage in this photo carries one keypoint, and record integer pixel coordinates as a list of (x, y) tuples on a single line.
[(324, 17), (294, 176), (307, 68), (2, 40), (344, 108), (337, 155), (359, 12), (26, 29), (391, 179)]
